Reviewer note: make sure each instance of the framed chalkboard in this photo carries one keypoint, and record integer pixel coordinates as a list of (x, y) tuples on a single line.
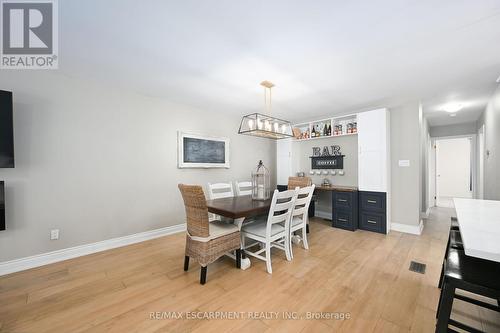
[(197, 151)]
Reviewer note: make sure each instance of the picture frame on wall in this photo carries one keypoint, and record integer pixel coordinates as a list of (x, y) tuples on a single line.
[(200, 151)]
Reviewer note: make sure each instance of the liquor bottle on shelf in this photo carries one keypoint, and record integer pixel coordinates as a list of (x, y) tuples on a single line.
[(355, 127), (313, 133), (329, 129), (325, 130)]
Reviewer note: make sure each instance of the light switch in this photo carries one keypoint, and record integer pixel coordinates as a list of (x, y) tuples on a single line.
[(404, 163)]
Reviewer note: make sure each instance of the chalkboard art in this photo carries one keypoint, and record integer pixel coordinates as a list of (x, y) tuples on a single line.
[(328, 158), (196, 151)]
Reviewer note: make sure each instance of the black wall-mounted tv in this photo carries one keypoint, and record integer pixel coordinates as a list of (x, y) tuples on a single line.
[(6, 130)]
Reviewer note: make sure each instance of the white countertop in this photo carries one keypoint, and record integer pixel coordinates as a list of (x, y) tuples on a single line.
[(479, 222)]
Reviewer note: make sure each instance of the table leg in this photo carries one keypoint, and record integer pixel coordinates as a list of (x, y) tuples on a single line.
[(245, 262)]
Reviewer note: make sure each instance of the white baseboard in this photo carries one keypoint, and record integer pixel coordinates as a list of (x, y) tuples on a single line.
[(323, 215), (22, 264), (408, 229)]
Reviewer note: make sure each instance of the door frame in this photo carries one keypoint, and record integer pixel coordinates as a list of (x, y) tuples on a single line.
[(481, 143), (473, 159)]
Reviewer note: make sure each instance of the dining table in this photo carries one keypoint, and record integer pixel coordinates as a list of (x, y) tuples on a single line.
[(240, 209), (479, 223)]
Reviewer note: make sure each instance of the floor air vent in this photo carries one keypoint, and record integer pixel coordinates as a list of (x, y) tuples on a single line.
[(417, 267)]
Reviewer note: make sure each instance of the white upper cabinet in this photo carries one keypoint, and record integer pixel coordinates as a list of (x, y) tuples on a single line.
[(373, 150)]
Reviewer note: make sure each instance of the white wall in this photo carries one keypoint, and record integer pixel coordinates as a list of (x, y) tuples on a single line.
[(405, 181), (302, 150), (453, 130), (491, 120), (99, 163), (424, 161)]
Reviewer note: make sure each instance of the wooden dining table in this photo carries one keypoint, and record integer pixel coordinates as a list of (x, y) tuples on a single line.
[(239, 209)]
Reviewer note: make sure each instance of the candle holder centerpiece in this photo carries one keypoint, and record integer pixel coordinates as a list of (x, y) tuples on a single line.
[(261, 183)]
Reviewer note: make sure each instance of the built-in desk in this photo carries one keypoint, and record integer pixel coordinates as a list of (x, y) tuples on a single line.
[(344, 206), (336, 188)]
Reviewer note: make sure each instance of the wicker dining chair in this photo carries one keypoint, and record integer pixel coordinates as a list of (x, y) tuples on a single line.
[(300, 182), (206, 242)]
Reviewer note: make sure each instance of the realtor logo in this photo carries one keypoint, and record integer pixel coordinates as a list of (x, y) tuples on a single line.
[(29, 34)]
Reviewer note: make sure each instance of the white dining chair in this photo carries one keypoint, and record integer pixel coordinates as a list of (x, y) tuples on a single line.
[(243, 188), (299, 216), (273, 231), (219, 191)]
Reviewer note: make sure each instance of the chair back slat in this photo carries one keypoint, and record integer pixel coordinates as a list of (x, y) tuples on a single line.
[(301, 205), (243, 188), (220, 190), (195, 204), (281, 208)]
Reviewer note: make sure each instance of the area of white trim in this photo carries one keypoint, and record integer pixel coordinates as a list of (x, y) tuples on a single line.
[(323, 215), (22, 264), (408, 229), (425, 215)]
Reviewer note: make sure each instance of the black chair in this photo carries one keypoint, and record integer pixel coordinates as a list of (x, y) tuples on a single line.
[(454, 242), (478, 276)]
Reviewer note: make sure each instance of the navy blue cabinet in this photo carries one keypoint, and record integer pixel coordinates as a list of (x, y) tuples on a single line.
[(345, 209), (373, 211)]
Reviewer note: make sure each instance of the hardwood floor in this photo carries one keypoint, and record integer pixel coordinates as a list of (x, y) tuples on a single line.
[(359, 273)]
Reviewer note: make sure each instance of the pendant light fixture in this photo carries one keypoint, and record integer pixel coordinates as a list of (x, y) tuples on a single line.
[(264, 125)]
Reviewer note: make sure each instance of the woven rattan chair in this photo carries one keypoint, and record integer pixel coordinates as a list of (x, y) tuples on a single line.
[(300, 182), (206, 242)]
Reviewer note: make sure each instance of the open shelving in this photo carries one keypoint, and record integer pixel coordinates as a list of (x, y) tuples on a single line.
[(326, 128)]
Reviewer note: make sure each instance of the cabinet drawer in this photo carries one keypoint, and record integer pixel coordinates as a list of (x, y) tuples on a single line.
[(372, 201), (342, 200), (344, 219), (372, 222)]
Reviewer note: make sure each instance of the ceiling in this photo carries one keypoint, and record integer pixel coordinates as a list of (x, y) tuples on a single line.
[(325, 57)]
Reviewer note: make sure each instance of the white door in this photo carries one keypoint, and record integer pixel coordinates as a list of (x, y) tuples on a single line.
[(283, 161), (453, 170)]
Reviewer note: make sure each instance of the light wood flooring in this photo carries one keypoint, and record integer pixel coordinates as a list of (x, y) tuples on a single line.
[(360, 273)]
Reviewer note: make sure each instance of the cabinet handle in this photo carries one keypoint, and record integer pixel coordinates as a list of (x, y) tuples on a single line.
[(342, 200), (372, 222), (372, 201), (342, 220)]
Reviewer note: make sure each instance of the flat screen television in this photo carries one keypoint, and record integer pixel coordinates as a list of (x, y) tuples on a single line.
[(6, 130)]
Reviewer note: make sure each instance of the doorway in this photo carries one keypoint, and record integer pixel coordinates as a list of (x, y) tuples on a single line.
[(454, 170)]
